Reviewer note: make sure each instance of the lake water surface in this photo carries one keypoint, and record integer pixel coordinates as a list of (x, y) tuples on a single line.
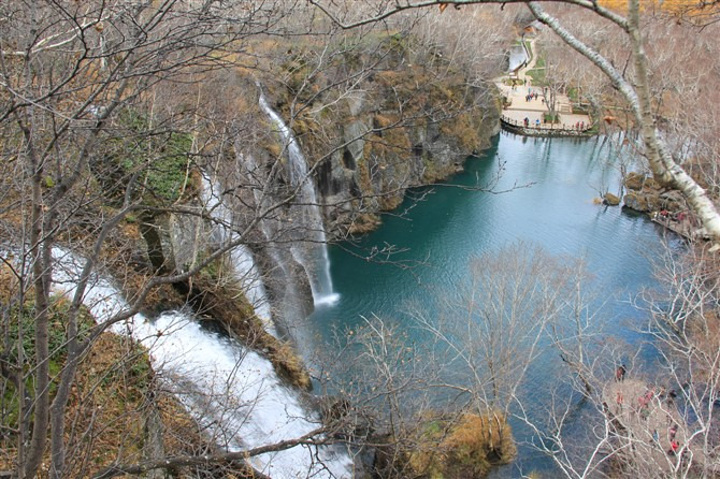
[(440, 235)]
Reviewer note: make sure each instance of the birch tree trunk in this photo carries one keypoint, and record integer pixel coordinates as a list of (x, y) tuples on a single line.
[(665, 170)]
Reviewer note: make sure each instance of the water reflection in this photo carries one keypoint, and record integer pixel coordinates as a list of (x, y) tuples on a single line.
[(453, 225)]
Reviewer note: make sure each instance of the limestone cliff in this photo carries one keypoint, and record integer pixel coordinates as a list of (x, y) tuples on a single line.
[(402, 121), (399, 125)]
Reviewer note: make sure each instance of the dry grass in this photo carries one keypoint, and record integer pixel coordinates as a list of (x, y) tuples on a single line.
[(113, 398), (229, 307), (9, 283), (105, 420), (107, 410), (488, 435), (685, 7), (465, 448)]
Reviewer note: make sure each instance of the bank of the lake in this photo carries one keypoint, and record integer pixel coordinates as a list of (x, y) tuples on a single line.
[(549, 185)]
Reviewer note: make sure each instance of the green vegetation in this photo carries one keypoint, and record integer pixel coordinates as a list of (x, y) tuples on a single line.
[(513, 82), (21, 340), (537, 74), (25, 316), (573, 93), (581, 108), (108, 398), (155, 159), (551, 117), (528, 45)]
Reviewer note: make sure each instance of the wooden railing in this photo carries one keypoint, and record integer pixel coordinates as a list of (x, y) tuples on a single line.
[(554, 127)]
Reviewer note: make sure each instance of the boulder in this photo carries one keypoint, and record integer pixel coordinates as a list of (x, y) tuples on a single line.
[(646, 195), (611, 200), (634, 181), (637, 181), (672, 200), (645, 202)]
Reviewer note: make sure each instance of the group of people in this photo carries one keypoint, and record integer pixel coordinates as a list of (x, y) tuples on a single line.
[(674, 445), (679, 217), (681, 222), (644, 403), (643, 408), (671, 443), (527, 123), (671, 437)]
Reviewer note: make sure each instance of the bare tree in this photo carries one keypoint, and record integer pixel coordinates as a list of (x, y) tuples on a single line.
[(108, 115), (665, 169), (78, 82), (111, 113), (498, 317), (639, 422), (637, 93), (455, 372), (684, 323)]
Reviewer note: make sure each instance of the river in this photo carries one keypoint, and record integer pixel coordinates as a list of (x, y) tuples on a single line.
[(453, 224)]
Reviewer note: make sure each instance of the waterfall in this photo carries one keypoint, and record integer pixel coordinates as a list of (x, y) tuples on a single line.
[(287, 280), (311, 253), (246, 273), (231, 391)]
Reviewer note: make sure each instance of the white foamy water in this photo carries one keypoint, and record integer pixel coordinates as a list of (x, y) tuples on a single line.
[(313, 256), (233, 392), (246, 272)]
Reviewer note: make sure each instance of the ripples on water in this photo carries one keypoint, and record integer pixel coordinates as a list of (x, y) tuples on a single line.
[(453, 225)]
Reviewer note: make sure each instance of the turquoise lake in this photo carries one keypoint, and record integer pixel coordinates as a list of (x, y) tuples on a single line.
[(543, 196)]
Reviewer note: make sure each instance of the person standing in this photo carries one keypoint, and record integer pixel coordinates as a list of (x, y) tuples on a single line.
[(620, 373)]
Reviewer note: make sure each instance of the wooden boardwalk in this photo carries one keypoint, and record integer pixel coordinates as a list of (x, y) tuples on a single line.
[(519, 107), (542, 129)]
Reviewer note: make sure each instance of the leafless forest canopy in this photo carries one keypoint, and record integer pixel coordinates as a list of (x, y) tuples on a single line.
[(113, 112)]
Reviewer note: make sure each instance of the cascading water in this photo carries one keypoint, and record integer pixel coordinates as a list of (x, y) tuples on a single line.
[(287, 281), (258, 183), (230, 390), (242, 259), (311, 253)]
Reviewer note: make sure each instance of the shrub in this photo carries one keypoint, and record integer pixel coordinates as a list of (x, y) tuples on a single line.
[(466, 447), (155, 159)]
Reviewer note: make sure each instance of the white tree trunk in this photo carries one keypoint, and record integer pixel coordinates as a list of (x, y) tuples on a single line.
[(663, 166)]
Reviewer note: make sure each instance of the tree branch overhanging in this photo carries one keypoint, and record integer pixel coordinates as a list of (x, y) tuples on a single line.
[(311, 439), (664, 167), (398, 7)]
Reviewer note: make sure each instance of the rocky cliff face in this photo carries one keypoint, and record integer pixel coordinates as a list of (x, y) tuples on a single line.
[(401, 125), (380, 149)]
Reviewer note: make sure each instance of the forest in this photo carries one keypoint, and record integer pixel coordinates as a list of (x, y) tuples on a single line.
[(174, 171)]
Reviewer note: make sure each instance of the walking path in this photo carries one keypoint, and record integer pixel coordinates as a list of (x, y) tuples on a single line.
[(519, 107)]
